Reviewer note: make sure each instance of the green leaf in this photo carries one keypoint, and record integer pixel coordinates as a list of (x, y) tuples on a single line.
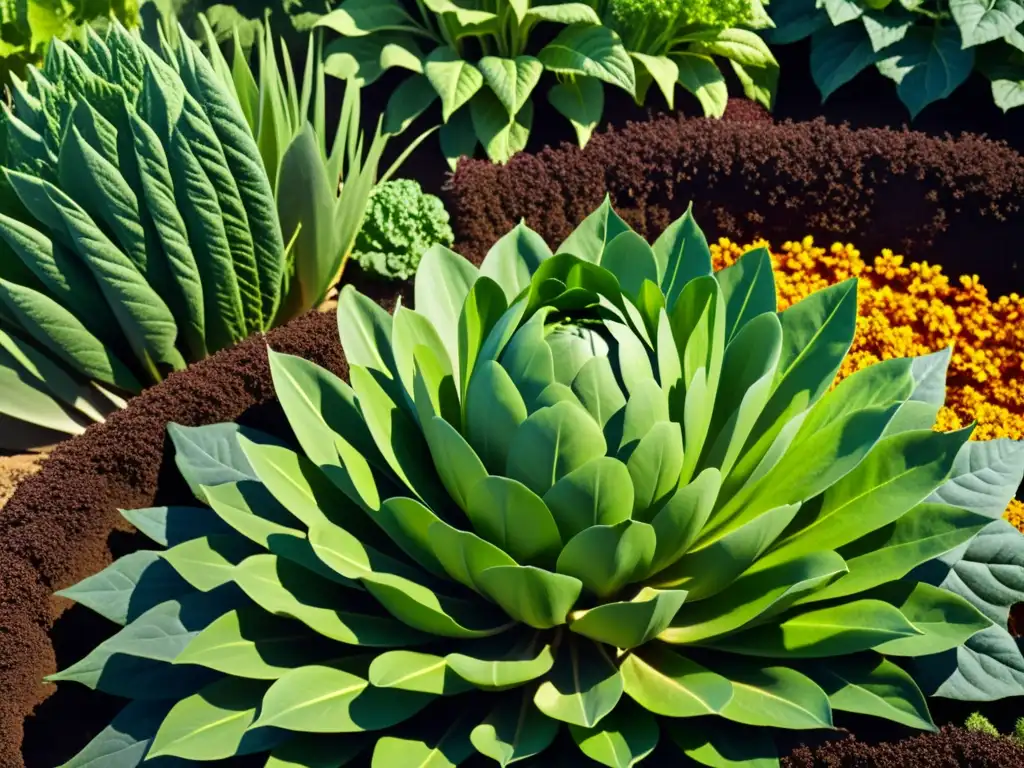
[(413, 671), (457, 137), (551, 443), (748, 289), (622, 739), (424, 747), (410, 99), (365, 330), (512, 80), (714, 565), (985, 477), (170, 526), (760, 84), (683, 254), (633, 623), (250, 643), (563, 13), (454, 79), (284, 588), (502, 662), (659, 69), (494, 411), (589, 239), (927, 65), (946, 619), (680, 519), (740, 45), (593, 50), (757, 595), (900, 472), (531, 595), (212, 455), (56, 329), (357, 18), (123, 743), (723, 744), (583, 686), (981, 21), (581, 101), (514, 730), (501, 134), (836, 631), (654, 466), (511, 516), (842, 11), (128, 587), (484, 307), (884, 29), (870, 685), (608, 557), (665, 683), (838, 54), (599, 492), (632, 261), (512, 260), (208, 562), (213, 724), (409, 331), (322, 699), (795, 20), (442, 284), (463, 16), (773, 696)]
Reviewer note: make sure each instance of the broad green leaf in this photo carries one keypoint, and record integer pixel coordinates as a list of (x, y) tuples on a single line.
[(514, 518), (755, 597), (599, 492), (357, 18), (795, 20), (683, 254), (512, 260), (665, 683), (710, 568), (581, 101), (723, 744), (211, 454), (214, 723), (209, 561), (748, 289), (871, 685), (463, 555), (655, 467), (250, 643), (365, 330), (890, 553), (622, 739), (484, 307), (466, 17), (529, 358), (630, 624), (632, 261), (25, 399), (514, 730), (768, 696), (426, 747), (409, 331), (658, 69), (410, 99), (589, 239), (123, 743), (414, 671), (608, 557), (56, 329), (927, 65), (323, 699), (170, 526), (699, 74), (455, 79), (457, 137), (512, 80), (494, 411), (501, 134), (982, 22), (842, 11), (818, 633), (946, 619), (900, 472), (563, 13), (679, 520), (496, 664), (457, 464), (551, 443), (128, 587), (530, 595), (583, 686), (884, 29), (593, 50), (839, 54), (442, 284), (985, 477), (283, 588)]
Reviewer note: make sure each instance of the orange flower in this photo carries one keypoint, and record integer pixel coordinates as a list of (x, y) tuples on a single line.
[(912, 309)]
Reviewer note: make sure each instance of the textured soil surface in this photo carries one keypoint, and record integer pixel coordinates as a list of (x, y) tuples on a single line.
[(14, 469)]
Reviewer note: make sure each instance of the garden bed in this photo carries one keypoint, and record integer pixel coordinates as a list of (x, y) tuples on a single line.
[(953, 202)]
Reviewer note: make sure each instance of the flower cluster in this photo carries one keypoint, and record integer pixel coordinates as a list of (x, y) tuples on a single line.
[(912, 309)]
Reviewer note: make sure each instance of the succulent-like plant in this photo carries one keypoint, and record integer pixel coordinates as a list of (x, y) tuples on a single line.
[(601, 490)]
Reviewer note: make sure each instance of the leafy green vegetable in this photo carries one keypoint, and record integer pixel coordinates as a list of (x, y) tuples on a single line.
[(554, 498), (402, 223), (928, 48)]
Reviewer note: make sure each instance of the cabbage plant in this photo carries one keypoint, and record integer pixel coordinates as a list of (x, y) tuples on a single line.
[(602, 492)]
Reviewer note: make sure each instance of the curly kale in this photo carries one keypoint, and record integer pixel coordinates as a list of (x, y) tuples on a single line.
[(402, 222), (632, 16)]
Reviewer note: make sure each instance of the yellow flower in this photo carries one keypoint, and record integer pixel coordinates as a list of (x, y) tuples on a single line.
[(912, 309)]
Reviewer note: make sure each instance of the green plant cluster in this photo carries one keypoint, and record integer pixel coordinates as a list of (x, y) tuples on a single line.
[(484, 59), (602, 492), (978, 723), (928, 48), (402, 223), (28, 26)]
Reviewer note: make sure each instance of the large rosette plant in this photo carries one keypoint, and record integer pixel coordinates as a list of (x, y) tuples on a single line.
[(603, 493)]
